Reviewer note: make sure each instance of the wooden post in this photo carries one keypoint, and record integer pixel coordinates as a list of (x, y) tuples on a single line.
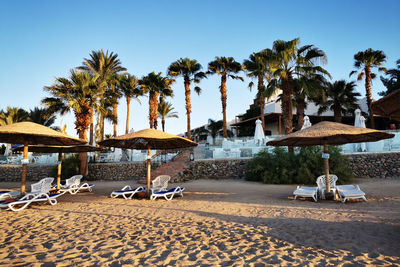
[(59, 170), (326, 165), (24, 167), (148, 170)]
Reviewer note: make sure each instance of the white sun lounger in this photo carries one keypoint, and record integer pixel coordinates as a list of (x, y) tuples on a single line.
[(73, 185), (350, 192), (321, 182), (9, 194), (169, 194), (127, 192), (25, 201), (306, 191), (160, 183)]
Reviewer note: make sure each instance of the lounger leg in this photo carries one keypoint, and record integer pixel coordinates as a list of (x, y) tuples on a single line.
[(365, 199), (295, 197)]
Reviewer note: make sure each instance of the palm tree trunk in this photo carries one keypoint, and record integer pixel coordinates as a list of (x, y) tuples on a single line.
[(151, 104), (155, 110), (101, 127), (287, 106), (337, 114), (261, 99), (188, 105), (128, 101), (368, 82), (301, 104), (83, 157), (163, 124), (91, 135), (223, 100), (115, 113)]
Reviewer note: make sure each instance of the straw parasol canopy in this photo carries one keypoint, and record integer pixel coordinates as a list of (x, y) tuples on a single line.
[(148, 139), (152, 138), (388, 106), (330, 133), (29, 133), (60, 150), (35, 134)]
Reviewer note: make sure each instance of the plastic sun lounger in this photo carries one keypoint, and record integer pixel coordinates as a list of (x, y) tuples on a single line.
[(306, 191), (127, 192), (73, 185), (27, 200), (5, 194), (169, 194), (350, 192)]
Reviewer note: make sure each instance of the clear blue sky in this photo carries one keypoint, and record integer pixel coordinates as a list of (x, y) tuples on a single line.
[(41, 40)]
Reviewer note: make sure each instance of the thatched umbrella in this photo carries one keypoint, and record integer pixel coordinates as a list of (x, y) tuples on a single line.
[(60, 150), (330, 133), (148, 139), (29, 133), (388, 106)]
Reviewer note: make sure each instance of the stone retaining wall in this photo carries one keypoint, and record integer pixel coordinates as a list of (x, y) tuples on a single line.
[(376, 165)]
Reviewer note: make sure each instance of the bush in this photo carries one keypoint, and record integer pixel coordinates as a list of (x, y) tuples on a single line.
[(301, 167), (69, 167)]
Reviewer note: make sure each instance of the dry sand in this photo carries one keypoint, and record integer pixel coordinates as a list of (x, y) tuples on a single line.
[(223, 223)]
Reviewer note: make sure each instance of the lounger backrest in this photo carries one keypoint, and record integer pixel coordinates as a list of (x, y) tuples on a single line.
[(161, 181), (46, 184), (74, 180), (36, 186), (321, 181)]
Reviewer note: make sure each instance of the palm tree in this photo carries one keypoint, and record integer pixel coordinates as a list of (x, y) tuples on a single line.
[(341, 98), (165, 110), (42, 116), (13, 115), (156, 86), (214, 127), (393, 82), (226, 67), (103, 65), (114, 92), (307, 88), (189, 69), (293, 62), (79, 94), (366, 60), (131, 89), (259, 66)]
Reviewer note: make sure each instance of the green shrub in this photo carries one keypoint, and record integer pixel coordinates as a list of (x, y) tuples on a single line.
[(69, 167), (301, 167)]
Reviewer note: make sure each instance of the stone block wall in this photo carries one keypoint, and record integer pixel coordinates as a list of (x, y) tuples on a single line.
[(13, 173), (365, 165), (375, 165), (119, 171)]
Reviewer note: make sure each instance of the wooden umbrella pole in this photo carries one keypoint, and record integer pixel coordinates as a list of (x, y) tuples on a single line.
[(59, 170), (326, 165), (148, 170), (24, 167)]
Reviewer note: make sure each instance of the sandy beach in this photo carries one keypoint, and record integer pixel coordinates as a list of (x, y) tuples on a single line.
[(216, 223)]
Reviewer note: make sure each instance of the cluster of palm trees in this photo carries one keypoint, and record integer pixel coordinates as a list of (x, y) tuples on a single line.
[(38, 115), (92, 91)]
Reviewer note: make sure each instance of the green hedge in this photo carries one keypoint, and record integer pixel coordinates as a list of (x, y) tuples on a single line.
[(301, 167), (69, 167)]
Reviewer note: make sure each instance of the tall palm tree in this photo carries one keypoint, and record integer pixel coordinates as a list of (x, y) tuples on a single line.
[(307, 88), (366, 60), (42, 116), (79, 94), (103, 64), (293, 62), (259, 65), (189, 69), (114, 92), (226, 67), (156, 86), (165, 110), (131, 89), (393, 82), (13, 115), (341, 98)]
